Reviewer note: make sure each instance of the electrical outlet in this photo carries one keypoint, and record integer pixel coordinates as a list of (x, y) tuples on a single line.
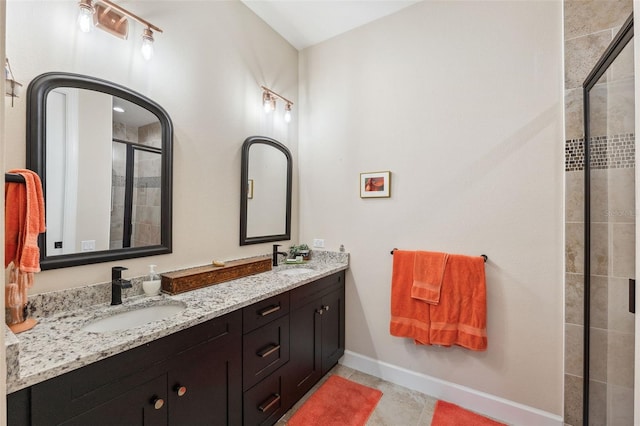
[(88, 245), (318, 242)]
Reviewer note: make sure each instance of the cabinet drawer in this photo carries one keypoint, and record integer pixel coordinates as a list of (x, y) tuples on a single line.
[(302, 295), (265, 311), (264, 351), (263, 403)]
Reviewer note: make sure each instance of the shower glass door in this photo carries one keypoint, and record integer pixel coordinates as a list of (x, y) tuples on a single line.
[(610, 236)]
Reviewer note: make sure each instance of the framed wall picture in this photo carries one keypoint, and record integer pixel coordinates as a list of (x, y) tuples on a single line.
[(375, 185)]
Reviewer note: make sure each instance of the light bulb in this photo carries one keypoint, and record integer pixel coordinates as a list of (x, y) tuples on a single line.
[(287, 113), (85, 16), (267, 102), (147, 44)]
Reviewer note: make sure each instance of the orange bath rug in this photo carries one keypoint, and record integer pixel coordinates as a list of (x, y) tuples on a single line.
[(447, 414), (338, 402)]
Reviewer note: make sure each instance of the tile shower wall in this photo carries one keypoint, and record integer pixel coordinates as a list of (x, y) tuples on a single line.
[(146, 214), (589, 28), (146, 196)]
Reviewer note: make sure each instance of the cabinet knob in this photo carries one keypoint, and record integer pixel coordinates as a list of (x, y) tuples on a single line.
[(158, 403), (180, 390), (320, 311), (326, 308)]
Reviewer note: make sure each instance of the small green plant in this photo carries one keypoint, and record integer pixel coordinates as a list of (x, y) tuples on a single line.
[(299, 250)]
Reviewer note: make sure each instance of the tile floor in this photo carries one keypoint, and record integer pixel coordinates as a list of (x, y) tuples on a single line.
[(398, 405)]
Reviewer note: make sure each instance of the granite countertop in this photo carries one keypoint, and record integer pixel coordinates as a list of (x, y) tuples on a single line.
[(58, 344)]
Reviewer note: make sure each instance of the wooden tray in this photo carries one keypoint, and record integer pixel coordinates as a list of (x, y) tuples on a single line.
[(204, 276)]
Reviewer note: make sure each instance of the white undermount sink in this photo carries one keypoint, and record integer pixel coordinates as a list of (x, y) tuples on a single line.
[(295, 271), (133, 318)]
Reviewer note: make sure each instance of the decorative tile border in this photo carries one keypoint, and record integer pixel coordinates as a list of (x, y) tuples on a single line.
[(574, 155), (607, 152)]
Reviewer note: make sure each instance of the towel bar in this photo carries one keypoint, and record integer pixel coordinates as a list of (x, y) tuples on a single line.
[(13, 177), (484, 256)]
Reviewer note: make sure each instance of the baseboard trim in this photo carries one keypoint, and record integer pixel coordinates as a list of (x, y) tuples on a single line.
[(499, 408)]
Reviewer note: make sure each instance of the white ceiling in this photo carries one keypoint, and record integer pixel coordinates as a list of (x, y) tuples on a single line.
[(304, 23)]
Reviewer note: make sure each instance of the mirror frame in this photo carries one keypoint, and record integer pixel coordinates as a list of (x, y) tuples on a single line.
[(37, 93), (244, 177)]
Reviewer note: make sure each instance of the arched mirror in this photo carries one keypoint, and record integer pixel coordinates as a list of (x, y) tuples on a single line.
[(265, 191), (104, 154)]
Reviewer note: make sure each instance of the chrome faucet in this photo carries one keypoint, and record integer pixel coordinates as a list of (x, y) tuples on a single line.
[(276, 253), (117, 284)]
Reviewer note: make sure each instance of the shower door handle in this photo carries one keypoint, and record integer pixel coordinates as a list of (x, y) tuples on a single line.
[(632, 295)]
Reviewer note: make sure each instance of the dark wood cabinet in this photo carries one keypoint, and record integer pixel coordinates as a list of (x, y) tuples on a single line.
[(247, 367), (265, 351), (138, 387), (317, 333), (204, 385)]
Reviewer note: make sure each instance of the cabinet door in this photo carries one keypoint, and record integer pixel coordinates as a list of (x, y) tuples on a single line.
[(304, 368), (332, 328), (19, 408), (145, 404), (205, 385)]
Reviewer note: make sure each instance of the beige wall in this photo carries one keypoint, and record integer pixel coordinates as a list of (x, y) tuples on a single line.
[(206, 72), (462, 102), (95, 128)]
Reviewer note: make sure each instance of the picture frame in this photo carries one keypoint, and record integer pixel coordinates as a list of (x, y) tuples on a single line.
[(375, 185), (250, 189)]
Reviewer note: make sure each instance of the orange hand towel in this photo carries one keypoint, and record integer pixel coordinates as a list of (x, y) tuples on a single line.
[(15, 205), (409, 316), (24, 220), (461, 316), (428, 273)]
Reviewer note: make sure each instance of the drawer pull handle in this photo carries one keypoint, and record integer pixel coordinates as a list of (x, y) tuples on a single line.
[(180, 390), (275, 398), (158, 403), (269, 310), (268, 350)]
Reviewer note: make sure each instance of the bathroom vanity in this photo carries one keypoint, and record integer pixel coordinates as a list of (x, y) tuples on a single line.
[(242, 352)]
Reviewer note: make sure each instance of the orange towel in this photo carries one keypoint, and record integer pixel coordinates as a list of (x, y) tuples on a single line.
[(15, 205), (461, 316), (409, 316), (24, 220), (428, 273)]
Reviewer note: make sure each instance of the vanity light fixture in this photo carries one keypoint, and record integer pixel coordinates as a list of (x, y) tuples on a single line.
[(147, 43), (269, 98), (113, 19), (268, 102), (85, 16), (287, 112), (12, 87)]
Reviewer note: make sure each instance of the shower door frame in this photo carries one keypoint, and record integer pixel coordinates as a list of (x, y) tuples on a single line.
[(622, 38)]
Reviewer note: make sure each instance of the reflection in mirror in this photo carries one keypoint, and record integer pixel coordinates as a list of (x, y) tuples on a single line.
[(104, 153), (265, 203)]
